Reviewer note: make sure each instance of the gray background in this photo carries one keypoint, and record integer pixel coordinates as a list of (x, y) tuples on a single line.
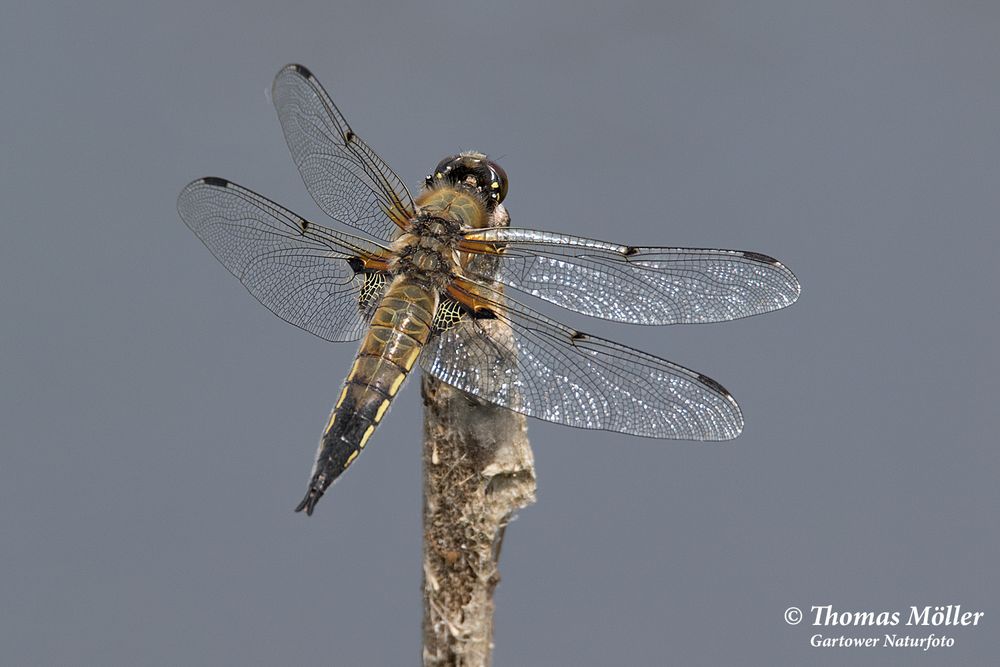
[(158, 424)]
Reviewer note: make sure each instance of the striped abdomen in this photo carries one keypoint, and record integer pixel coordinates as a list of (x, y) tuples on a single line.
[(399, 329)]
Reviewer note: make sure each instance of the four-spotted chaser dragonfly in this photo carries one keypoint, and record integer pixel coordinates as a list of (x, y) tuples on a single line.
[(429, 283)]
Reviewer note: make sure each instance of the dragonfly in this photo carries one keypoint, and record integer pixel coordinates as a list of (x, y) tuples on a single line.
[(438, 281)]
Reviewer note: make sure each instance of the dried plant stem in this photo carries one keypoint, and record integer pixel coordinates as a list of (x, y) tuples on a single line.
[(478, 471)]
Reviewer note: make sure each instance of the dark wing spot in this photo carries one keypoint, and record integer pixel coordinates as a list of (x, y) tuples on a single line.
[(349, 136), (303, 70), (578, 336), (630, 250), (215, 181), (713, 385), (356, 264), (757, 257), (484, 314), (305, 226)]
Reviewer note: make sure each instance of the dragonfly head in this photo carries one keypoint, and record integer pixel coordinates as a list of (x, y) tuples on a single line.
[(472, 170)]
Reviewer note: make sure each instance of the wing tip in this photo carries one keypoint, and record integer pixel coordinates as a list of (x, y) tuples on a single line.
[(733, 422), (795, 287), (214, 181), (301, 70), (759, 257), (293, 70), (737, 427), (732, 427), (196, 183), (713, 385)]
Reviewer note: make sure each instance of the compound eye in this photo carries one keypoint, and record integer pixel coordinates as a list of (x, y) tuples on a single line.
[(445, 166), (498, 181)]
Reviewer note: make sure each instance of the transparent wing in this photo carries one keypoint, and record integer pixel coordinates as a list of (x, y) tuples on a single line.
[(346, 178), (526, 362), (639, 285), (299, 270)]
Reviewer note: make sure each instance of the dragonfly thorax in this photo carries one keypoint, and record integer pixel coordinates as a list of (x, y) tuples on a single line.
[(456, 208), (426, 252)]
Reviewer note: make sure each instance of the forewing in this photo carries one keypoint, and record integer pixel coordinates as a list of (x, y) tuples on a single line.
[(298, 269), (347, 179), (635, 284), (533, 365)]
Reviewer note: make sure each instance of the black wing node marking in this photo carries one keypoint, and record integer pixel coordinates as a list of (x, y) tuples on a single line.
[(215, 181), (629, 251), (577, 335), (482, 314), (356, 264), (451, 312), (303, 70)]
